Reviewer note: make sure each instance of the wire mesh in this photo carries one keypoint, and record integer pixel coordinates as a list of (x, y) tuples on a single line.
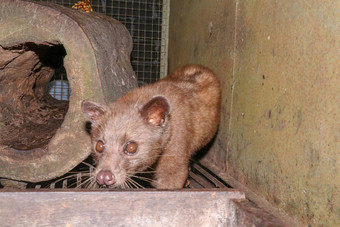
[(146, 20), (58, 87), (143, 19)]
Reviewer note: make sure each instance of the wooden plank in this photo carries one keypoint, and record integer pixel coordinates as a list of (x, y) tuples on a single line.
[(117, 208)]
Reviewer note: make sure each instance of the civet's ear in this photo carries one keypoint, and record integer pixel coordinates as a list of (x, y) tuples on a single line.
[(156, 111), (92, 110)]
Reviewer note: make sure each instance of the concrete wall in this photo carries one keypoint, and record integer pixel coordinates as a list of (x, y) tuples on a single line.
[(278, 62)]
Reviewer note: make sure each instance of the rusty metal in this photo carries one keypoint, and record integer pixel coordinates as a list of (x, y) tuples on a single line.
[(198, 178)]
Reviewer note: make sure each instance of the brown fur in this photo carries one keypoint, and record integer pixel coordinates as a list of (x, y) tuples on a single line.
[(169, 120)]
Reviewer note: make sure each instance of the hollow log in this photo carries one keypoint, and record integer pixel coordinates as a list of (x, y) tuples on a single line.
[(41, 137)]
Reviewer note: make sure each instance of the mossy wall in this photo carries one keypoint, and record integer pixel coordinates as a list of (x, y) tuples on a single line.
[(278, 62)]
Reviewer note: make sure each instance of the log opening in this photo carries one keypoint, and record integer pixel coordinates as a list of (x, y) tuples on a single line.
[(29, 115)]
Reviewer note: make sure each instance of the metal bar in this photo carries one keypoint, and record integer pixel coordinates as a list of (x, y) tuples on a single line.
[(194, 185), (201, 180), (64, 183), (213, 179), (165, 38)]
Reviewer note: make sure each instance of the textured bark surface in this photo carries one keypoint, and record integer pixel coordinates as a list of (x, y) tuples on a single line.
[(41, 137), (25, 105)]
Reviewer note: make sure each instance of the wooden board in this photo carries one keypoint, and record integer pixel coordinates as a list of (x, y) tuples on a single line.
[(118, 208), (227, 207)]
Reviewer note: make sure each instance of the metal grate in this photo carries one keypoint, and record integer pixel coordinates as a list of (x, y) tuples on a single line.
[(199, 177), (58, 87), (147, 22)]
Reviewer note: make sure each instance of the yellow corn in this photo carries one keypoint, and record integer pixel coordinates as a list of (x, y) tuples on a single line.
[(83, 5)]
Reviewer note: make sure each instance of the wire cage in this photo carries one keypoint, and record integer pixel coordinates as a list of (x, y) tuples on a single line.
[(147, 22)]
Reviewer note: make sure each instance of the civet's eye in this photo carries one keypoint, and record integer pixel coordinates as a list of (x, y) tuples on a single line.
[(130, 148), (100, 146)]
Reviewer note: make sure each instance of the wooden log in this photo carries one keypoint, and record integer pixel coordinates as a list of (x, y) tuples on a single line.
[(41, 137)]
